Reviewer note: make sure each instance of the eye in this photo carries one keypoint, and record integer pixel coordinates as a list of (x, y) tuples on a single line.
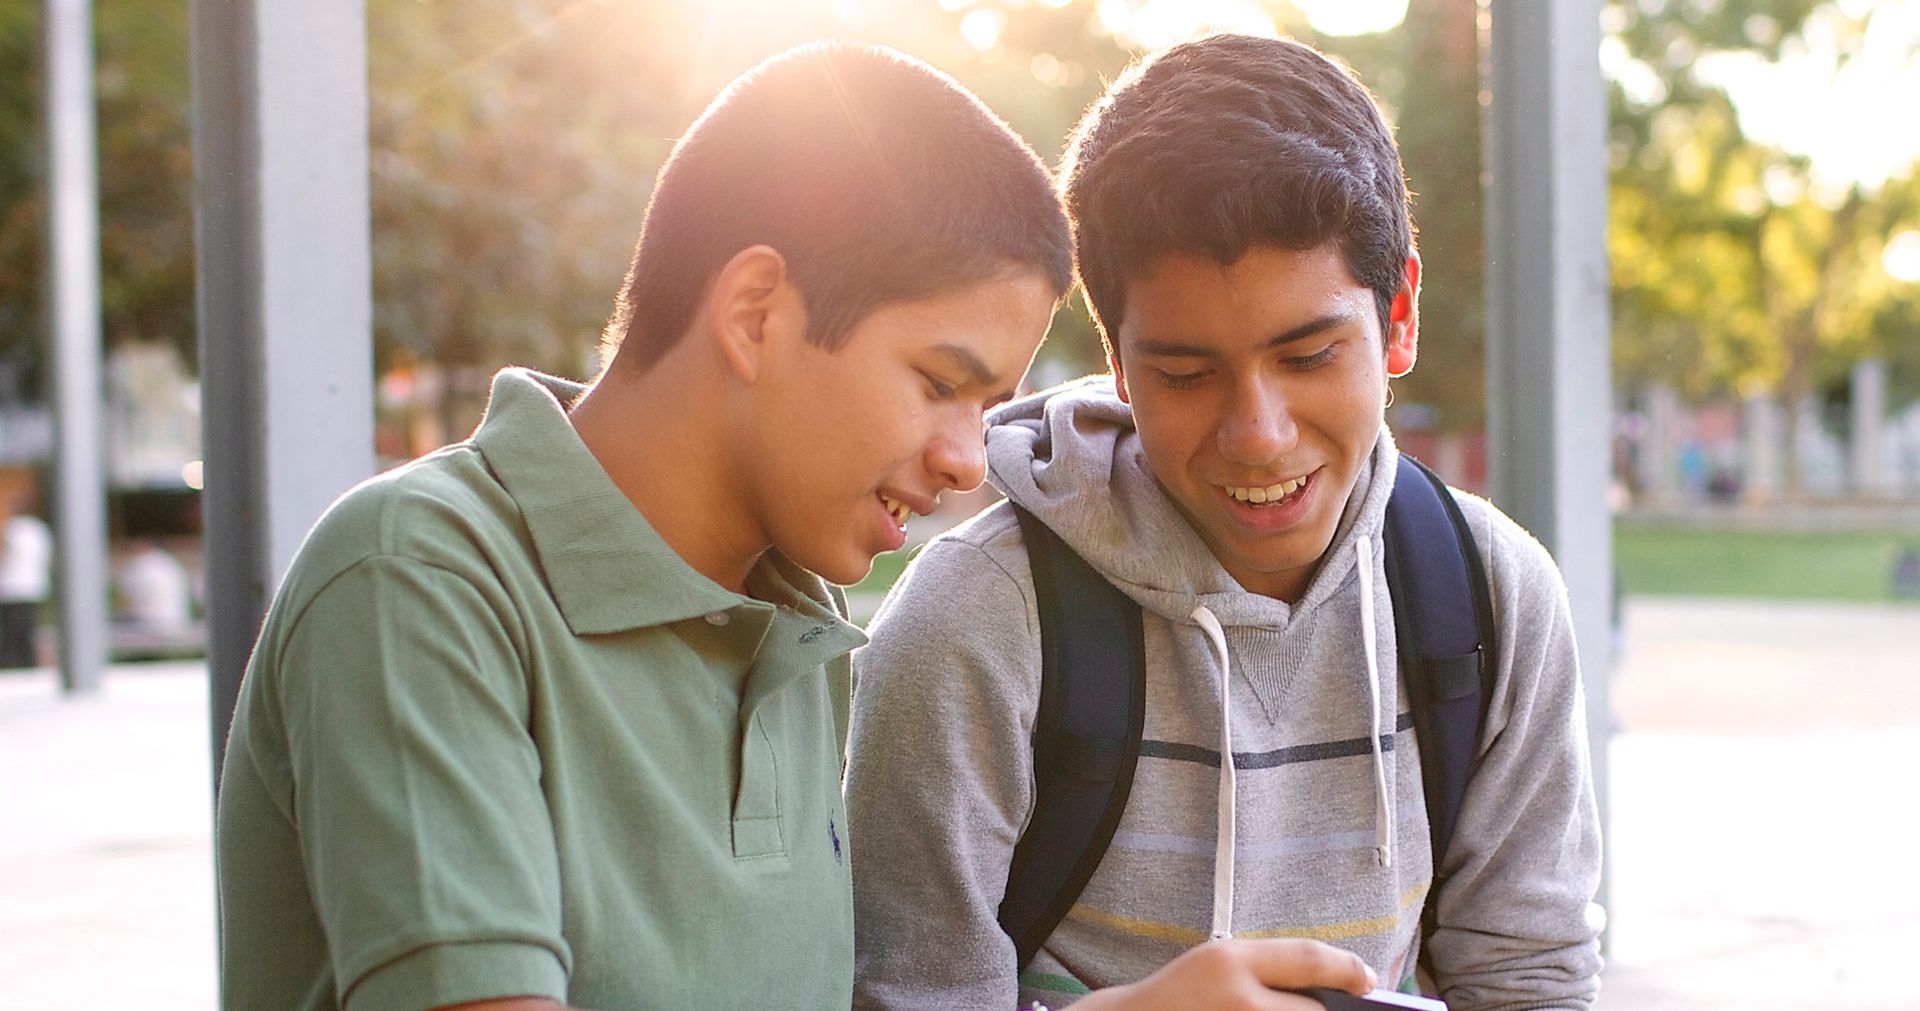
[(1179, 380), (939, 390), (1307, 363)]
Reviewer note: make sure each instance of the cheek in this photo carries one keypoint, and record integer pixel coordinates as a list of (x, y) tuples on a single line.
[(1171, 434), (887, 438), (1359, 429), (856, 416), (1352, 403)]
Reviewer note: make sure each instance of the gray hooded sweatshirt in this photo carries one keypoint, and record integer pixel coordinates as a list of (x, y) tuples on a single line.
[(1318, 826)]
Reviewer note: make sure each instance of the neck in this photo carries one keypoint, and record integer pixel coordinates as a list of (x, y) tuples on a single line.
[(660, 433)]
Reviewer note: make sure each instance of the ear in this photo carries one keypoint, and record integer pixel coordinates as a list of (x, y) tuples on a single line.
[(1403, 322), (751, 305), (1119, 377)]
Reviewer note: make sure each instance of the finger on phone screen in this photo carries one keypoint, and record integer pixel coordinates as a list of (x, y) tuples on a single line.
[(1292, 963)]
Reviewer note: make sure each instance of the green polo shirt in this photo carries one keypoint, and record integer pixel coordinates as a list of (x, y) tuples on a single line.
[(497, 739)]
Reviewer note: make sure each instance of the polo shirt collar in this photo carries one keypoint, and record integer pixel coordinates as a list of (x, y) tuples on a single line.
[(608, 569)]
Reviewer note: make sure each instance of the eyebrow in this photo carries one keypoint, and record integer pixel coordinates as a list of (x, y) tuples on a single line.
[(976, 370), (1175, 349), (968, 362)]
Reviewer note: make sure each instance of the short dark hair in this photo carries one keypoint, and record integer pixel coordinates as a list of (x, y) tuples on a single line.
[(878, 178), (1225, 143)]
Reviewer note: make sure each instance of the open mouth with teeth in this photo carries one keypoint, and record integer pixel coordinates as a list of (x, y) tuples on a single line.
[(1268, 495), (897, 509)]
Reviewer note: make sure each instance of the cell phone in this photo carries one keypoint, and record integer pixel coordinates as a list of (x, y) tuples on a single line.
[(1340, 1000)]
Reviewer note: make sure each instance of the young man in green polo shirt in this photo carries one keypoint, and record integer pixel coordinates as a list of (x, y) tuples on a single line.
[(555, 715)]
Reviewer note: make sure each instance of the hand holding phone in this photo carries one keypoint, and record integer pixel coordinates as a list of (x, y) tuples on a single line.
[(1240, 973)]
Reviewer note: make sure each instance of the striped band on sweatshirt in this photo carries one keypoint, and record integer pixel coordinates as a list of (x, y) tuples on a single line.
[(1134, 927), (1266, 848), (1294, 755), (1053, 982)]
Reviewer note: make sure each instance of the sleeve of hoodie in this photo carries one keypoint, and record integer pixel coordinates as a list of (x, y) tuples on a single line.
[(939, 782), (1517, 928)]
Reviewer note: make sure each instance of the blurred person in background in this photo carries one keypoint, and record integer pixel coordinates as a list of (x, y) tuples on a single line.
[(26, 564), (154, 591)]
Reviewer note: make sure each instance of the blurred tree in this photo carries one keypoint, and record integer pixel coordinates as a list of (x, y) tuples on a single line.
[(143, 98), (1437, 72), (22, 207), (1737, 267), (1894, 323), (511, 147)]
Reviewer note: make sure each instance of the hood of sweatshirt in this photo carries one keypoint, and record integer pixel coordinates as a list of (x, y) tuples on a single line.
[(1071, 456)]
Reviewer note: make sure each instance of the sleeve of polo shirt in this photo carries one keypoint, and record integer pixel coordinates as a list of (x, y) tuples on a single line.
[(426, 837)]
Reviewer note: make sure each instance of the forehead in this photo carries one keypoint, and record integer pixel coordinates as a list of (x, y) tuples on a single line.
[(1007, 314), (1189, 297)]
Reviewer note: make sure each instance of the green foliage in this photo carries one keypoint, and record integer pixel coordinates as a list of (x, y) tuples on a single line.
[(22, 209), (1440, 144), (145, 101), (507, 177), (142, 95), (1736, 268)]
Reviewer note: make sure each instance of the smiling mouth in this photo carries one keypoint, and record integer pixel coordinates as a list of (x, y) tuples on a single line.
[(899, 510), (1268, 495)]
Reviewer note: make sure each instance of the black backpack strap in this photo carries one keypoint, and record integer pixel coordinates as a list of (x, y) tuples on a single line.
[(1443, 620), (1086, 736)]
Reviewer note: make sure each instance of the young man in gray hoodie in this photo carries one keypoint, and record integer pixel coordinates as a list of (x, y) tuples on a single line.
[(1243, 239)]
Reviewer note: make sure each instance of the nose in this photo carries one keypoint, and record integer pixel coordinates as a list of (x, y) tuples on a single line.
[(1256, 424), (958, 453)]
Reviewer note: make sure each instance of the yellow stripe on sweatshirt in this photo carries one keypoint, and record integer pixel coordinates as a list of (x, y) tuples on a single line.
[(1189, 936)]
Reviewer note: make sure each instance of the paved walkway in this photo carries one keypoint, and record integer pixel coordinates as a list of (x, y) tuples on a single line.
[(106, 877), (1764, 818), (1762, 844)]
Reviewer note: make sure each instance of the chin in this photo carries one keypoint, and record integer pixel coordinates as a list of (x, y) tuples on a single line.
[(844, 571), (1279, 560)]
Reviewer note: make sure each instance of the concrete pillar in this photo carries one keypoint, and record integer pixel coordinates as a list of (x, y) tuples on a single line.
[(79, 502), (285, 294), (1762, 438), (1872, 476), (1548, 335), (1660, 443)]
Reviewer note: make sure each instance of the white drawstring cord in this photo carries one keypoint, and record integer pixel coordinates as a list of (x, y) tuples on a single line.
[(1382, 815), (1224, 840)]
